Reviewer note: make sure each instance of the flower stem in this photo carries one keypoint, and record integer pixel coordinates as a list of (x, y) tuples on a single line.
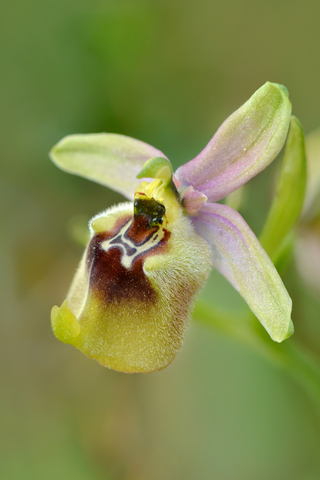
[(291, 357)]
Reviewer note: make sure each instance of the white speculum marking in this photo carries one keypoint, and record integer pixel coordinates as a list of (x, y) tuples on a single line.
[(130, 249)]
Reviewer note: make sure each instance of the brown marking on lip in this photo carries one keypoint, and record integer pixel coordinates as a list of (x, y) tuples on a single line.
[(140, 231), (111, 280), (114, 283), (118, 241)]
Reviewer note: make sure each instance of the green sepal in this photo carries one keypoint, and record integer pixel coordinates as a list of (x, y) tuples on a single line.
[(110, 159), (290, 191)]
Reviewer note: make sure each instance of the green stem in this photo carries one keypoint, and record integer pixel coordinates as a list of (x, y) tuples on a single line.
[(298, 363)]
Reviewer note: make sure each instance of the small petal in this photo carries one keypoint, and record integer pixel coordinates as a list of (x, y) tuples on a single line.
[(192, 200), (238, 255), (244, 145), (110, 159), (290, 190)]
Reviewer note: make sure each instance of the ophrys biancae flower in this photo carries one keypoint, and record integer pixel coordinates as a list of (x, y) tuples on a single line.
[(133, 293)]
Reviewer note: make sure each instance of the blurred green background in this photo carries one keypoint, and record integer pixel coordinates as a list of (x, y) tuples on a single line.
[(167, 72)]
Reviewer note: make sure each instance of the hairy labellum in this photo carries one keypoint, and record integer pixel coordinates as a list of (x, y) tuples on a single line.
[(134, 289)]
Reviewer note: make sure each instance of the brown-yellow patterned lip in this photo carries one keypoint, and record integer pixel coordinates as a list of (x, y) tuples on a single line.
[(110, 277), (113, 282)]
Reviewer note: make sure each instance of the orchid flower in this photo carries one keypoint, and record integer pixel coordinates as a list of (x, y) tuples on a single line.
[(133, 293)]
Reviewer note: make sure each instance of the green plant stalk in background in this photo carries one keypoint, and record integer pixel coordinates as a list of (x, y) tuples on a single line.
[(289, 195), (288, 356), (277, 238)]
